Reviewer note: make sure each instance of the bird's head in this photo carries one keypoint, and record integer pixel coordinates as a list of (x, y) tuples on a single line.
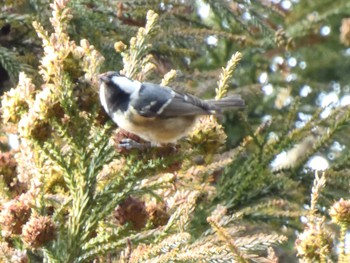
[(118, 83)]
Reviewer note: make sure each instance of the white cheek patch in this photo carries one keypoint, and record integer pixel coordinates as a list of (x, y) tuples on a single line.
[(125, 84), (103, 97)]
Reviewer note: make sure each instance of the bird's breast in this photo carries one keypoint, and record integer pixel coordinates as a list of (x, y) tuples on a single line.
[(155, 130)]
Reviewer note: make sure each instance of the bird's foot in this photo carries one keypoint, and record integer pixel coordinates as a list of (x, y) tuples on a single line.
[(129, 144)]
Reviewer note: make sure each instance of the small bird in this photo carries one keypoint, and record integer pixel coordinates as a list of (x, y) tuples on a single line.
[(157, 114)]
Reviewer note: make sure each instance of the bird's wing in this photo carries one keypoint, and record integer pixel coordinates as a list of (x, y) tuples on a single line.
[(165, 102), (184, 104)]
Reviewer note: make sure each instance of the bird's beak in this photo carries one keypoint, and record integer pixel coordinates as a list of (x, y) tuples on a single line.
[(103, 77), (107, 76)]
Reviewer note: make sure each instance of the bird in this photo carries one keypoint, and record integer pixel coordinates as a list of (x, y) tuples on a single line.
[(157, 114)]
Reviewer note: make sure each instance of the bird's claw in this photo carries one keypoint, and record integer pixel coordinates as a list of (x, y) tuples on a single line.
[(129, 144)]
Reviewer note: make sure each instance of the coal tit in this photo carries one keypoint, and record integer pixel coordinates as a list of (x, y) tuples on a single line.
[(155, 113)]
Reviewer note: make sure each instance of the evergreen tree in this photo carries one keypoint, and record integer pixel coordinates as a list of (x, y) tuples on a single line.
[(245, 190)]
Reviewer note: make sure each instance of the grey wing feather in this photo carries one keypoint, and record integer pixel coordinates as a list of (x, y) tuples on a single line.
[(156, 101), (151, 99), (229, 102), (188, 105)]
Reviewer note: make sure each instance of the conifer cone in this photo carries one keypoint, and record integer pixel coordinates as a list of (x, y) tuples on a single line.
[(340, 212), (38, 231), (13, 216), (131, 210)]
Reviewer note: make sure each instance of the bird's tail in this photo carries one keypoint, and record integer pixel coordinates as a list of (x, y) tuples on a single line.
[(229, 103)]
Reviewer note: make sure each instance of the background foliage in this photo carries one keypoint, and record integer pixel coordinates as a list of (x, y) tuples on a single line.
[(246, 191)]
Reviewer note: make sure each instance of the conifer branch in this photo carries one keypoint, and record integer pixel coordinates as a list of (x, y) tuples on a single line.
[(238, 255), (139, 46), (226, 74), (10, 62)]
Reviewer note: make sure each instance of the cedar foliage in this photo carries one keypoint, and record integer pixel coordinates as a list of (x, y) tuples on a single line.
[(223, 194)]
